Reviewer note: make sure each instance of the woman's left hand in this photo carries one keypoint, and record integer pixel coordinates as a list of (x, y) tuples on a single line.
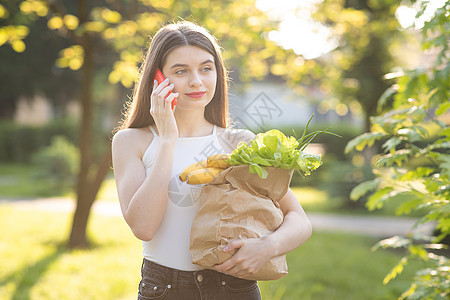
[(250, 257)]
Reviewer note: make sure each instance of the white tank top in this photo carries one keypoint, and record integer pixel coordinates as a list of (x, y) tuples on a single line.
[(170, 245)]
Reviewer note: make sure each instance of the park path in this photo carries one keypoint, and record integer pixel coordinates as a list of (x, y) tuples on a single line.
[(376, 226)]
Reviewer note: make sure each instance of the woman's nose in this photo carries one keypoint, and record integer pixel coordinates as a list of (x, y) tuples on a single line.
[(195, 79)]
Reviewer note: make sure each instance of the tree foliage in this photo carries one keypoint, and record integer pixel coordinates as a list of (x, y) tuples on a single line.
[(351, 76), (27, 73), (125, 27), (414, 170)]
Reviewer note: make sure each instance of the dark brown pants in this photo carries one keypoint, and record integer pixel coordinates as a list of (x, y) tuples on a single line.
[(159, 282)]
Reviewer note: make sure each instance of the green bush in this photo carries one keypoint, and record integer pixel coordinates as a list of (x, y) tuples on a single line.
[(59, 162), (19, 142), (338, 179)]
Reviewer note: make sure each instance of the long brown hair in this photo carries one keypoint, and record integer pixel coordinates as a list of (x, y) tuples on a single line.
[(168, 38)]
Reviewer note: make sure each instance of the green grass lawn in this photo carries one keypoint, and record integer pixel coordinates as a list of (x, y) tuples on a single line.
[(108, 190), (21, 181), (338, 266), (35, 265), (24, 181)]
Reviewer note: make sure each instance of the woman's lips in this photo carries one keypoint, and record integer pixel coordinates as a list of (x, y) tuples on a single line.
[(196, 94)]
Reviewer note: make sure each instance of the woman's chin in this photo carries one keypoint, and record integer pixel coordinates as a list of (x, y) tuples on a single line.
[(187, 104)]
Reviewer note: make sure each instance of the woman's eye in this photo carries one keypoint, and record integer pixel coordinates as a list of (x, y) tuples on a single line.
[(207, 69), (180, 72)]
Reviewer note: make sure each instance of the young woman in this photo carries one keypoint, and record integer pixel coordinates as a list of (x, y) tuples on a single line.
[(156, 143)]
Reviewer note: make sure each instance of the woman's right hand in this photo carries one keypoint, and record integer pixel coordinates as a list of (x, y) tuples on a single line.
[(161, 110)]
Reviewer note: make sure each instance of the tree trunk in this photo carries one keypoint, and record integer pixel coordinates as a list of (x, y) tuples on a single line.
[(86, 189), (91, 173), (86, 196), (78, 237)]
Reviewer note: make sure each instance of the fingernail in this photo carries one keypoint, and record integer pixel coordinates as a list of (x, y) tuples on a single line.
[(155, 82), (171, 84), (167, 79), (226, 248)]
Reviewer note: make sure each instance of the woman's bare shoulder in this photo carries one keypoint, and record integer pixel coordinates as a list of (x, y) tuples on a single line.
[(131, 134), (133, 138), (232, 136)]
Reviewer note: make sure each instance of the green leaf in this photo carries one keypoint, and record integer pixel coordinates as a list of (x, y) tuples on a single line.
[(277, 156), (376, 199), (245, 157), (409, 292), (421, 130), (395, 271), (417, 113), (444, 163), (435, 203), (271, 141), (364, 139), (262, 172), (406, 199), (392, 242), (363, 188), (410, 134), (411, 201), (386, 95), (308, 162), (440, 144), (304, 130), (419, 251), (398, 158), (261, 161), (391, 143), (238, 158), (445, 132), (417, 173)]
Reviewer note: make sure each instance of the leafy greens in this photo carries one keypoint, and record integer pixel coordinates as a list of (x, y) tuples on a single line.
[(274, 149)]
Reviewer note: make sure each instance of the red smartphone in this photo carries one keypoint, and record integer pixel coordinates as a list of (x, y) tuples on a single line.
[(160, 78)]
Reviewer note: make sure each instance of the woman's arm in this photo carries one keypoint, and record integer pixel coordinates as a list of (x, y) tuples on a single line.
[(254, 253), (143, 199), (295, 229)]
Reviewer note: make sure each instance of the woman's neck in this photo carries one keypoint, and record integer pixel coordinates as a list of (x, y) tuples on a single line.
[(192, 124)]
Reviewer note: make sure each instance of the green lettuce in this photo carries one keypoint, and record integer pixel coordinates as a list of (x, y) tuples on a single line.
[(274, 149)]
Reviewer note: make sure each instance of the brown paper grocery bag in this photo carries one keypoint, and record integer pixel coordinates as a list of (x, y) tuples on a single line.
[(235, 205)]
